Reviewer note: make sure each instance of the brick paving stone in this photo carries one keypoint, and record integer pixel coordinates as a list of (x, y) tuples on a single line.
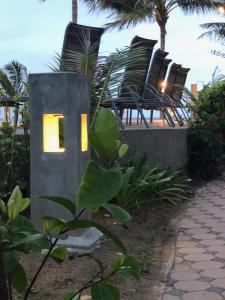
[(220, 283), (214, 273), (220, 254), (207, 265), (187, 244), (191, 250), (192, 285), (202, 236), (170, 297), (176, 275), (201, 296), (199, 257), (216, 248), (213, 242)]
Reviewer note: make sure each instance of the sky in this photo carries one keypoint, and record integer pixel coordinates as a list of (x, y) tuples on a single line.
[(32, 32)]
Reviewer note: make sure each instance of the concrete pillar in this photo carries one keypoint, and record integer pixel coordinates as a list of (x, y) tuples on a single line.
[(58, 156)]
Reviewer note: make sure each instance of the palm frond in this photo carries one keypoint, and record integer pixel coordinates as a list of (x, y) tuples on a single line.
[(214, 31), (17, 75), (111, 71), (198, 6)]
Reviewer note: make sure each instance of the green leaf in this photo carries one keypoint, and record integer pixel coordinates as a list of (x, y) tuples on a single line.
[(52, 224), (59, 254), (98, 186), (104, 291), (24, 204), (38, 241), (11, 259), (78, 224), (127, 267), (3, 207), (21, 224), (14, 203), (19, 279), (68, 204), (117, 212), (71, 295), (107, 122), (123, 150), (104, 144)]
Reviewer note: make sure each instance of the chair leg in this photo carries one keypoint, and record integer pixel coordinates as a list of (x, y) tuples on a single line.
[(151, 116)]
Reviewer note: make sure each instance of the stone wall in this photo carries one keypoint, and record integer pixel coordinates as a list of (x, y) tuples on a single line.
[(166, 147)]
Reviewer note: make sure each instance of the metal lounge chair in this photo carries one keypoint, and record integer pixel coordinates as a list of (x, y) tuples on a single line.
[(78, 39), (126, 99), (152, 97)]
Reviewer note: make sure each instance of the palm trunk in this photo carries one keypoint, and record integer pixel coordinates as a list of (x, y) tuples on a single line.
[(74, 11), (163, 37), (4, 293)]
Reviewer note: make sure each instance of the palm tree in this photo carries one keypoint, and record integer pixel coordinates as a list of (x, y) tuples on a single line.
[(132, 12)]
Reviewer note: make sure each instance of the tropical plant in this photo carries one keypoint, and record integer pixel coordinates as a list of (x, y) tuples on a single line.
[(142, 183), (108, 73), (214, 30), (21, 155), (132, 12), (100, 183), (13, 85), (207, 131)]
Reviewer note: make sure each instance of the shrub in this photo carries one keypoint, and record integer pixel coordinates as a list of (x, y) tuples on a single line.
[(207, 132), (13, 171), (142, 183)]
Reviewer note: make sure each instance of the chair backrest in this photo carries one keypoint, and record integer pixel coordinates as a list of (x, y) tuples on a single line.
[(156, 67), (163, 72), (139, 81), (77, 38), (179, 83), (171, 79), (156, 71)]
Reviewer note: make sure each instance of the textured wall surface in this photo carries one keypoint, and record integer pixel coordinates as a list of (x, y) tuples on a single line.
[(56, 174), (166, 147)]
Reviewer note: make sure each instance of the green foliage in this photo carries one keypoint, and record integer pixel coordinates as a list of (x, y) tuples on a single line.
[(17, 236), (142, 183), (207, 131), (20, 174)]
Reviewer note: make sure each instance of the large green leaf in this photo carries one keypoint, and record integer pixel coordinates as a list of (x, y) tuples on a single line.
[(126, 266), (14, 203), (123, 150), (38, 241), (104, 291), (3, 207), (107, 122), (117, 212), (79, 224), (66, 203), (11, 259), (18, 279), (53, 225), (59, 253), (98, 186), (72, 295), (104, 144), (21, 224)]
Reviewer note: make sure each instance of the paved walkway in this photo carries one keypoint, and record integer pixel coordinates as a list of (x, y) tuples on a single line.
[(199, 263)]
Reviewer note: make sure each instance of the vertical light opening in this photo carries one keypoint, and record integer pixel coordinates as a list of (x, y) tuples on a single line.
[(84, 133), (53, 133)]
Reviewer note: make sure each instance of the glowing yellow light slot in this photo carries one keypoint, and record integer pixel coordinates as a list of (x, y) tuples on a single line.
[(84, 133), (163, 86), (53, 136)]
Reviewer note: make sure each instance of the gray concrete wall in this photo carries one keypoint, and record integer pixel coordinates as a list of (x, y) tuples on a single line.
[(166, 147)]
